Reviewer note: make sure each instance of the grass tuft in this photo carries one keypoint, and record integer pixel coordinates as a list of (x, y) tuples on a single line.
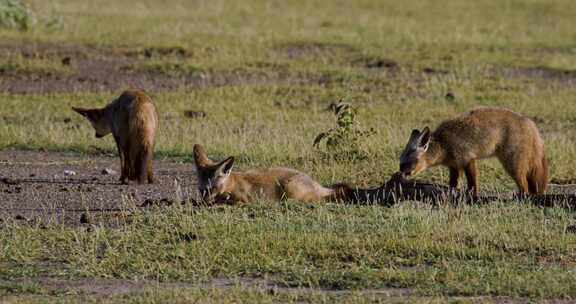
[(16, 14)]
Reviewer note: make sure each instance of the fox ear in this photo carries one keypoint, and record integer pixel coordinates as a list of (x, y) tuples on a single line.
[(415, 133), (225, 167), (200, 156), (425, 138), (90, 114)]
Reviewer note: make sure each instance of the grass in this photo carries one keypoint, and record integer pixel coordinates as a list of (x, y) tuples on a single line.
[(15, 14), (289, 118), (506, 250), (20, 65), (238, 294), (269, 70)]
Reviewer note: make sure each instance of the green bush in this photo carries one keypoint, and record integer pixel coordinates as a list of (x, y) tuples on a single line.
[(343, 141), (15, 14)]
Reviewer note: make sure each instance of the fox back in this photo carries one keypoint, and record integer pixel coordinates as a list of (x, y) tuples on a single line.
[(216, 180), (133, 121), (280, 183), (485, 132), (481, 133)]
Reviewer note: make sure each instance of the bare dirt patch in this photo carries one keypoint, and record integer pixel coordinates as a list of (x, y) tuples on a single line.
[(537, 73), (177, 52), (92, 69), (106, 288), (90, 286), (375, 63), (103, 288), (97, 69), (335, 51), (297, 50), (37, 187), (85, 68), (42, 186)]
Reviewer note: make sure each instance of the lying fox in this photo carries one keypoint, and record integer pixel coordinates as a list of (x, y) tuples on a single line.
[(217, 182), (132, 120), (484, 132)]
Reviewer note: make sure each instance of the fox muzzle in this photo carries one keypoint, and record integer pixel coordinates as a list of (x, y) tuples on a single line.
[(407, 168)]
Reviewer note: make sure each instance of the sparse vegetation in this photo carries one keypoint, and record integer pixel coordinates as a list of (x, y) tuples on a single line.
[(21, 66), (15, 14), (263, 74), (343, 141)]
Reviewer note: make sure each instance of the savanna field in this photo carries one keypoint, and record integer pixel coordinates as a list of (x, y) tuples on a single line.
[(259, 80)]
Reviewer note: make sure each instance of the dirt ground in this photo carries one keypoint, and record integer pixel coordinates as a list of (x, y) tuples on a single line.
[(96, 69), (104, 288), (34, 183), (63, 187), (99, 69), (38, 185)]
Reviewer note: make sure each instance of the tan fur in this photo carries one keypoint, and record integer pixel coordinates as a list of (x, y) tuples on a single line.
[(132, 120), (481, 133), (216, 180)]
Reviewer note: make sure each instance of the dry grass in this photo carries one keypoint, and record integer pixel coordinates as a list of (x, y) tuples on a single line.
[(270, 70)]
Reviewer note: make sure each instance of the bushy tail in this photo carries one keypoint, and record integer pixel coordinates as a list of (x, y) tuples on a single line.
[(538, 177), (142, 126)]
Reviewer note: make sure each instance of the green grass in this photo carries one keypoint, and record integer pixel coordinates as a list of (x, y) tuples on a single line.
[(236, 295), (15, 14), (504, 250), (288, 118), (20, 65), (271, 70)]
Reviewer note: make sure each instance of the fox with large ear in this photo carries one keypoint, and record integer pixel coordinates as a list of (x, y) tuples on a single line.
[(481, 133), (413, 160), (133, 121), (213, 178), (97, 119), (216, 181)]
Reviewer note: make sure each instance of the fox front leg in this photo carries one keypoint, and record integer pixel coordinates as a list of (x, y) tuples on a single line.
[(471, 171), (454, 176), (123, 162)]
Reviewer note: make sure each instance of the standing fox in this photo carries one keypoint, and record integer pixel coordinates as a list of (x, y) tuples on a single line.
[(217, 181), (481, 133), (132, 120)]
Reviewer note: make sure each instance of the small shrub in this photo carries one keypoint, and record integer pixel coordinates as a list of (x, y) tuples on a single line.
[(343, 141), (15, 14)]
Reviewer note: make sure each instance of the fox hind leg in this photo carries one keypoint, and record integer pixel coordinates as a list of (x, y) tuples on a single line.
[(517, 169), (149, 166), (533, 185), (141, 173), (538, 177), (471, 171), (150, 173), (522, 183), (124, 163)]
